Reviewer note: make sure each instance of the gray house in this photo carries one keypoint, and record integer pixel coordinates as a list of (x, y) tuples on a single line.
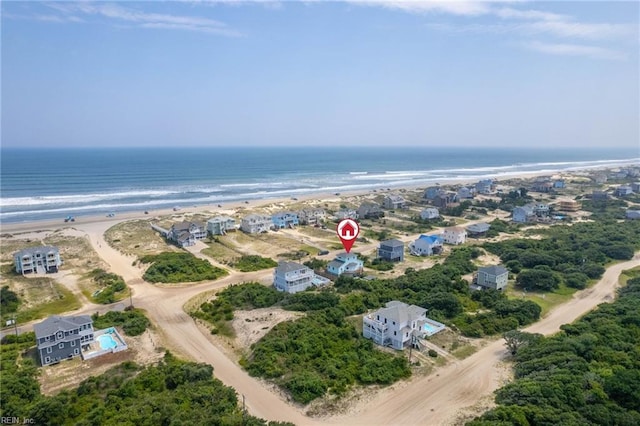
[(37, 260), (219, 225), (185, 234), (391, 250), (632, 214), (478, 230), (494, 277), (370, 211), (61, 338), (394, 201)]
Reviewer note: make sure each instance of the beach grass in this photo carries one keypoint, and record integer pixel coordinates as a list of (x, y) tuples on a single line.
[(136, 238), (546, 300), (63, 301)]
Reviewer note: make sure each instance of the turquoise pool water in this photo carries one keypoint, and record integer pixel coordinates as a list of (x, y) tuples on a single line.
[(107, 342), (429, 328)]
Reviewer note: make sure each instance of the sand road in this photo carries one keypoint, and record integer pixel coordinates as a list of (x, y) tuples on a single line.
[(432, 400)]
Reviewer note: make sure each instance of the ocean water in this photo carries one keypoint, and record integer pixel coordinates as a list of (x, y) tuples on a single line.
[(53, 183)]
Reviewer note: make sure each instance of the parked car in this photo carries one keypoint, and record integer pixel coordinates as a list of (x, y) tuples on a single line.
[(323, 252)]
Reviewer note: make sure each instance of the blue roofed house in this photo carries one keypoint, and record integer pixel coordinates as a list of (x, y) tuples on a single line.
[(431, 213), (285, 220), (345, 263), (220, 225), (59, 338), (43, 259), (293, 277), (391, 250), (491, 277), (426, 245)]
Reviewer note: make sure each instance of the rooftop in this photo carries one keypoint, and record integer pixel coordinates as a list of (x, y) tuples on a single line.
[(289, 267), (56, 323), (493, 270), (392, 243)]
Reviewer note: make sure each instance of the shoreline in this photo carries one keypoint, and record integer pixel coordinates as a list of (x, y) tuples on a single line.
[(213, 209)]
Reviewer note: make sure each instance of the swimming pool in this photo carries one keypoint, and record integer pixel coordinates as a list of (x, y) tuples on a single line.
[(429, 328), (107, 342)]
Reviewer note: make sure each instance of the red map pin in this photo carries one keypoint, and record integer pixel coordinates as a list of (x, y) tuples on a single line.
[(348, 230)]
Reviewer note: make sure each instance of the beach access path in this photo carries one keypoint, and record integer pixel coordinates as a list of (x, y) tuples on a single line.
[(430, 400)]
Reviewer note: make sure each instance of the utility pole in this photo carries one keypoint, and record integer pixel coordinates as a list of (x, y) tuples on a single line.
[(15, 326), (130, 298), (244, 411)]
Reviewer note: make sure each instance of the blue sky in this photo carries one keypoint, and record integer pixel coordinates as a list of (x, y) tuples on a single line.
[(205, 73)]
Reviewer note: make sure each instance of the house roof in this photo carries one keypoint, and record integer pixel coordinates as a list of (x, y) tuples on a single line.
[(35, 250), (431, 210), (392, 243), (219, 219), (256, 217), (455, 229), (289, 266), (395, 198), (431, 239), (401, 312), (184, 226), (479, 227), (335, 264), (494, 270), (56, 323)]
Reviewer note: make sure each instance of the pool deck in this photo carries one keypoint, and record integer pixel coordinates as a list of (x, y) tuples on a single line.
[(96, 350)]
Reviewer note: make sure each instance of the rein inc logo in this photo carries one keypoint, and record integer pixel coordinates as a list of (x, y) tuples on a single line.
[(17, 421), (348, 230)]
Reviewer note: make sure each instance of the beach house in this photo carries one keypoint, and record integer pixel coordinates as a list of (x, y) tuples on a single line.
[(220, 225), (311, 216), (529, 212), (431, 213), (431, 192), (599, 196), (485, 186), (623, 191), (59, 338), (454, 235), (397, 324), (478, 230), (635, 187), (599, 178), (559, 184), (370, 211), (542, 185), (346, 214), (394, 201), (38, 260), (285, 220), (345, 263), (391, 250), (465, 193), (293, 277), (632, 214), (185, 234), (426, 245), (491, 277), (568, 205), (444, 199), (255, 224)]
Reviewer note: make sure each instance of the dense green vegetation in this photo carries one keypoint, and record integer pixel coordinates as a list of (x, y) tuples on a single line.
[(176, 267), (322, 353), (250, 263), (133, 321), (112, 286), (8, 300), (172, 393), (588, 374), (568, 254)]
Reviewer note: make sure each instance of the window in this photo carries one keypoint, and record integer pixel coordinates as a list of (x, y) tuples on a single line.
[(49, 350), (385, 320), (47, 360), (395, 333), (47, 338), (378, 317), (61, 346), (73, 343), (76, 351), (60, 335), (394, 323)]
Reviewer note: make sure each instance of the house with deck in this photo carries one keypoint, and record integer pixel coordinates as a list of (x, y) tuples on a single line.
[(220, 225), (623, 191), (346, 214), (559, 184), (599, 196), (542, 186), (491, 277), (59, 338), (568, 205), (485, 186), (478, 230), (256, 223), (398, 324), (311, 216), (394, 201), (283, 220), (454, 235), (185, 234), (465, 193), (292, 277), (37, 260), (599, 178), (635, 187), (431, 192), (431, 213), (370, 211), (444, 199), (426, 245), (391, 250), (345, 263), (530, 212)]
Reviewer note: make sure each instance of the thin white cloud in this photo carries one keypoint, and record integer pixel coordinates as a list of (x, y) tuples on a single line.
[(144, 19), (454, 7), (562, 49)]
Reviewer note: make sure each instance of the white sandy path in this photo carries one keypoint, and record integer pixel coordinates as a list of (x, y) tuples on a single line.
[(453, 388)]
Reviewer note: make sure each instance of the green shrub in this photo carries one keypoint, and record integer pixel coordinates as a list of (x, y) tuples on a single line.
[(250, 263), (175, 267), (133, 322)]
